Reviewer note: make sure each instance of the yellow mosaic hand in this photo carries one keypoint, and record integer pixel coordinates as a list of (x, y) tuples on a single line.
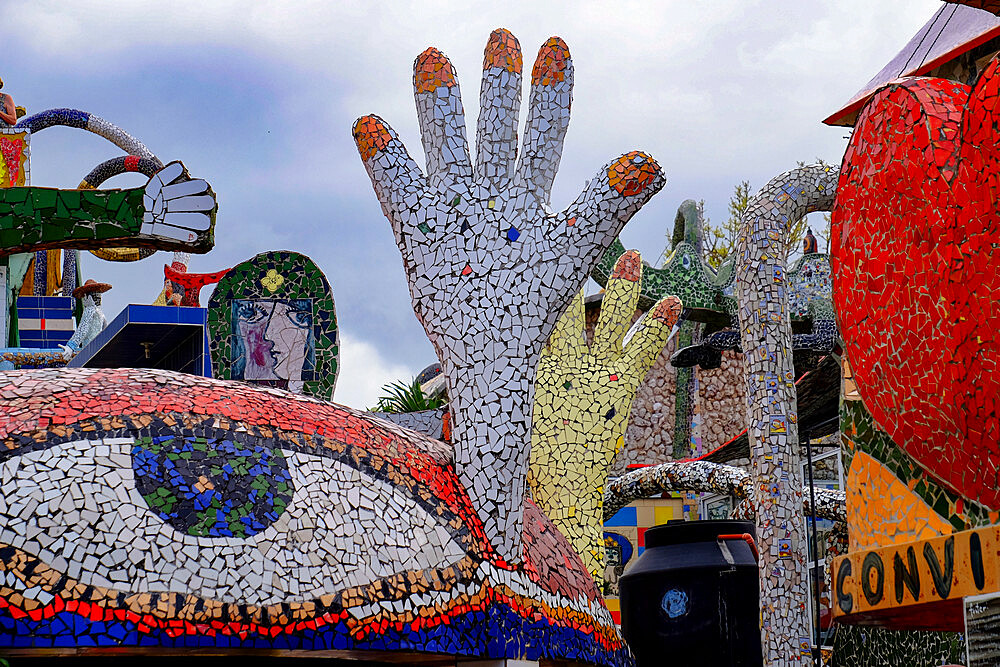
[(583, 395)]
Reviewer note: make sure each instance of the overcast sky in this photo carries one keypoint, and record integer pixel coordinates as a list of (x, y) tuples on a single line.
[(259, 99)]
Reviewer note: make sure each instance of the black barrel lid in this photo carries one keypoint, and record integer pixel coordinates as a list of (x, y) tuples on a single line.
[(679, 531)]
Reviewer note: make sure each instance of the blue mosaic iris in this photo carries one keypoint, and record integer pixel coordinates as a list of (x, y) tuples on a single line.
[(212, 487)]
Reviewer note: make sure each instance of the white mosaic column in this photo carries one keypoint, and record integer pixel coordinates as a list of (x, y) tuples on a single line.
[(766, 335)]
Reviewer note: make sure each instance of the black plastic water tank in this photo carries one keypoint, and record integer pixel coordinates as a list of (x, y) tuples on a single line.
[(693, 596)]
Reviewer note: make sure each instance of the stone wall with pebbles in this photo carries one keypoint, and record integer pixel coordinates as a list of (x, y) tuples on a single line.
[(721, 402)]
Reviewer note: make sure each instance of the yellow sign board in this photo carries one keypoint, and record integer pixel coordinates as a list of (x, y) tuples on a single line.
[(948, 567)]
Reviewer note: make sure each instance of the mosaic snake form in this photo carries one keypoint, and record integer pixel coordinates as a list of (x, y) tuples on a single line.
[(766, 338)]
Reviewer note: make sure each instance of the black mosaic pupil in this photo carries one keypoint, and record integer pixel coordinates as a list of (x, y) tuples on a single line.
[(212, 487)]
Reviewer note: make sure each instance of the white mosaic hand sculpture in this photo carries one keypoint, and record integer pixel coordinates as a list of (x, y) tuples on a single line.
[(177, 206), (490, 266)]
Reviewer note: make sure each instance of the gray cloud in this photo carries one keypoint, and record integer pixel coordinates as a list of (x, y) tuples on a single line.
[(259, 98)]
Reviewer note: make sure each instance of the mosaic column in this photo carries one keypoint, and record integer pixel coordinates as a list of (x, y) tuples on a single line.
[(70, 257), (766, 335), (691, 221)]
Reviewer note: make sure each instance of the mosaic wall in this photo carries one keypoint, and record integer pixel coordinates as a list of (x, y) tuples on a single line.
[(918, 419), (172, 211), (147, 508), (625, 538), (582, 398), (272, 322), (857, 646), (469, 233), (766, 337), (925, 149)]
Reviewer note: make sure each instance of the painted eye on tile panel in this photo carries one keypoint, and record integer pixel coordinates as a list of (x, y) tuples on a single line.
[(234, 518)]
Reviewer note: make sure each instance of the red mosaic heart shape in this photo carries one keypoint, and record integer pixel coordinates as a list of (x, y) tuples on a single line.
[(915, 229)]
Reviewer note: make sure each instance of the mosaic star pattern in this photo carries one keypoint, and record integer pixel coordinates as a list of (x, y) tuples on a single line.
[(173, 211), (354, 534), (583, 396), (490, 266), (927, 150), (766, 337), (272, 321)]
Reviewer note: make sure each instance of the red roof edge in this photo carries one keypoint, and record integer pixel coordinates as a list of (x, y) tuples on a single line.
[(838, 117)]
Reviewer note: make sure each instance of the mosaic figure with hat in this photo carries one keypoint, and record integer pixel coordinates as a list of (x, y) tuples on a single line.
[(92, 322)]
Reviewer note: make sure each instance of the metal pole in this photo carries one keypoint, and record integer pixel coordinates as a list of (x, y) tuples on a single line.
[(815, 572)]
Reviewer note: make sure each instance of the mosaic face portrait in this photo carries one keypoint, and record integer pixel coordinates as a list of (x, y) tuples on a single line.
[(272, 322), (273, 342)]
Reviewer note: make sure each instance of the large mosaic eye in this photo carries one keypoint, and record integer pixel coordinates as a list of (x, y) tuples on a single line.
[(212, 488), (250, 312), (300, 318), (222, 515)]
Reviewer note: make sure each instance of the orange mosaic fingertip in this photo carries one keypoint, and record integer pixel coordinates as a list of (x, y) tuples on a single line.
[(668, 310), (551, 64), (371, 134), (628, 266), (632, 172), (431, 70), (503, 51)]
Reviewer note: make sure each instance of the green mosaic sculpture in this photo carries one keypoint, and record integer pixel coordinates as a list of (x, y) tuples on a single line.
[(684, 273), (172, 212)]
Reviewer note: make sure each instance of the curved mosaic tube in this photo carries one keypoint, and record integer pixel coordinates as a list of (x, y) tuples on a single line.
[(92, 123), (706, 477), (766, 337), (108, 169)]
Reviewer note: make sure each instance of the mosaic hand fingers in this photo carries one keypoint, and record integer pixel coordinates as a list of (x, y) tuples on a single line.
[(441, 117), (499, 104), (177, 206), (649, 336), (618, 306), (548, 118), (490, 269), (569, 339), (395, 176), (591, 223)]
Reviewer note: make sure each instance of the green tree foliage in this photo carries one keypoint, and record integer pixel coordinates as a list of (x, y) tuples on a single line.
[(402, 397), (720, 241)]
